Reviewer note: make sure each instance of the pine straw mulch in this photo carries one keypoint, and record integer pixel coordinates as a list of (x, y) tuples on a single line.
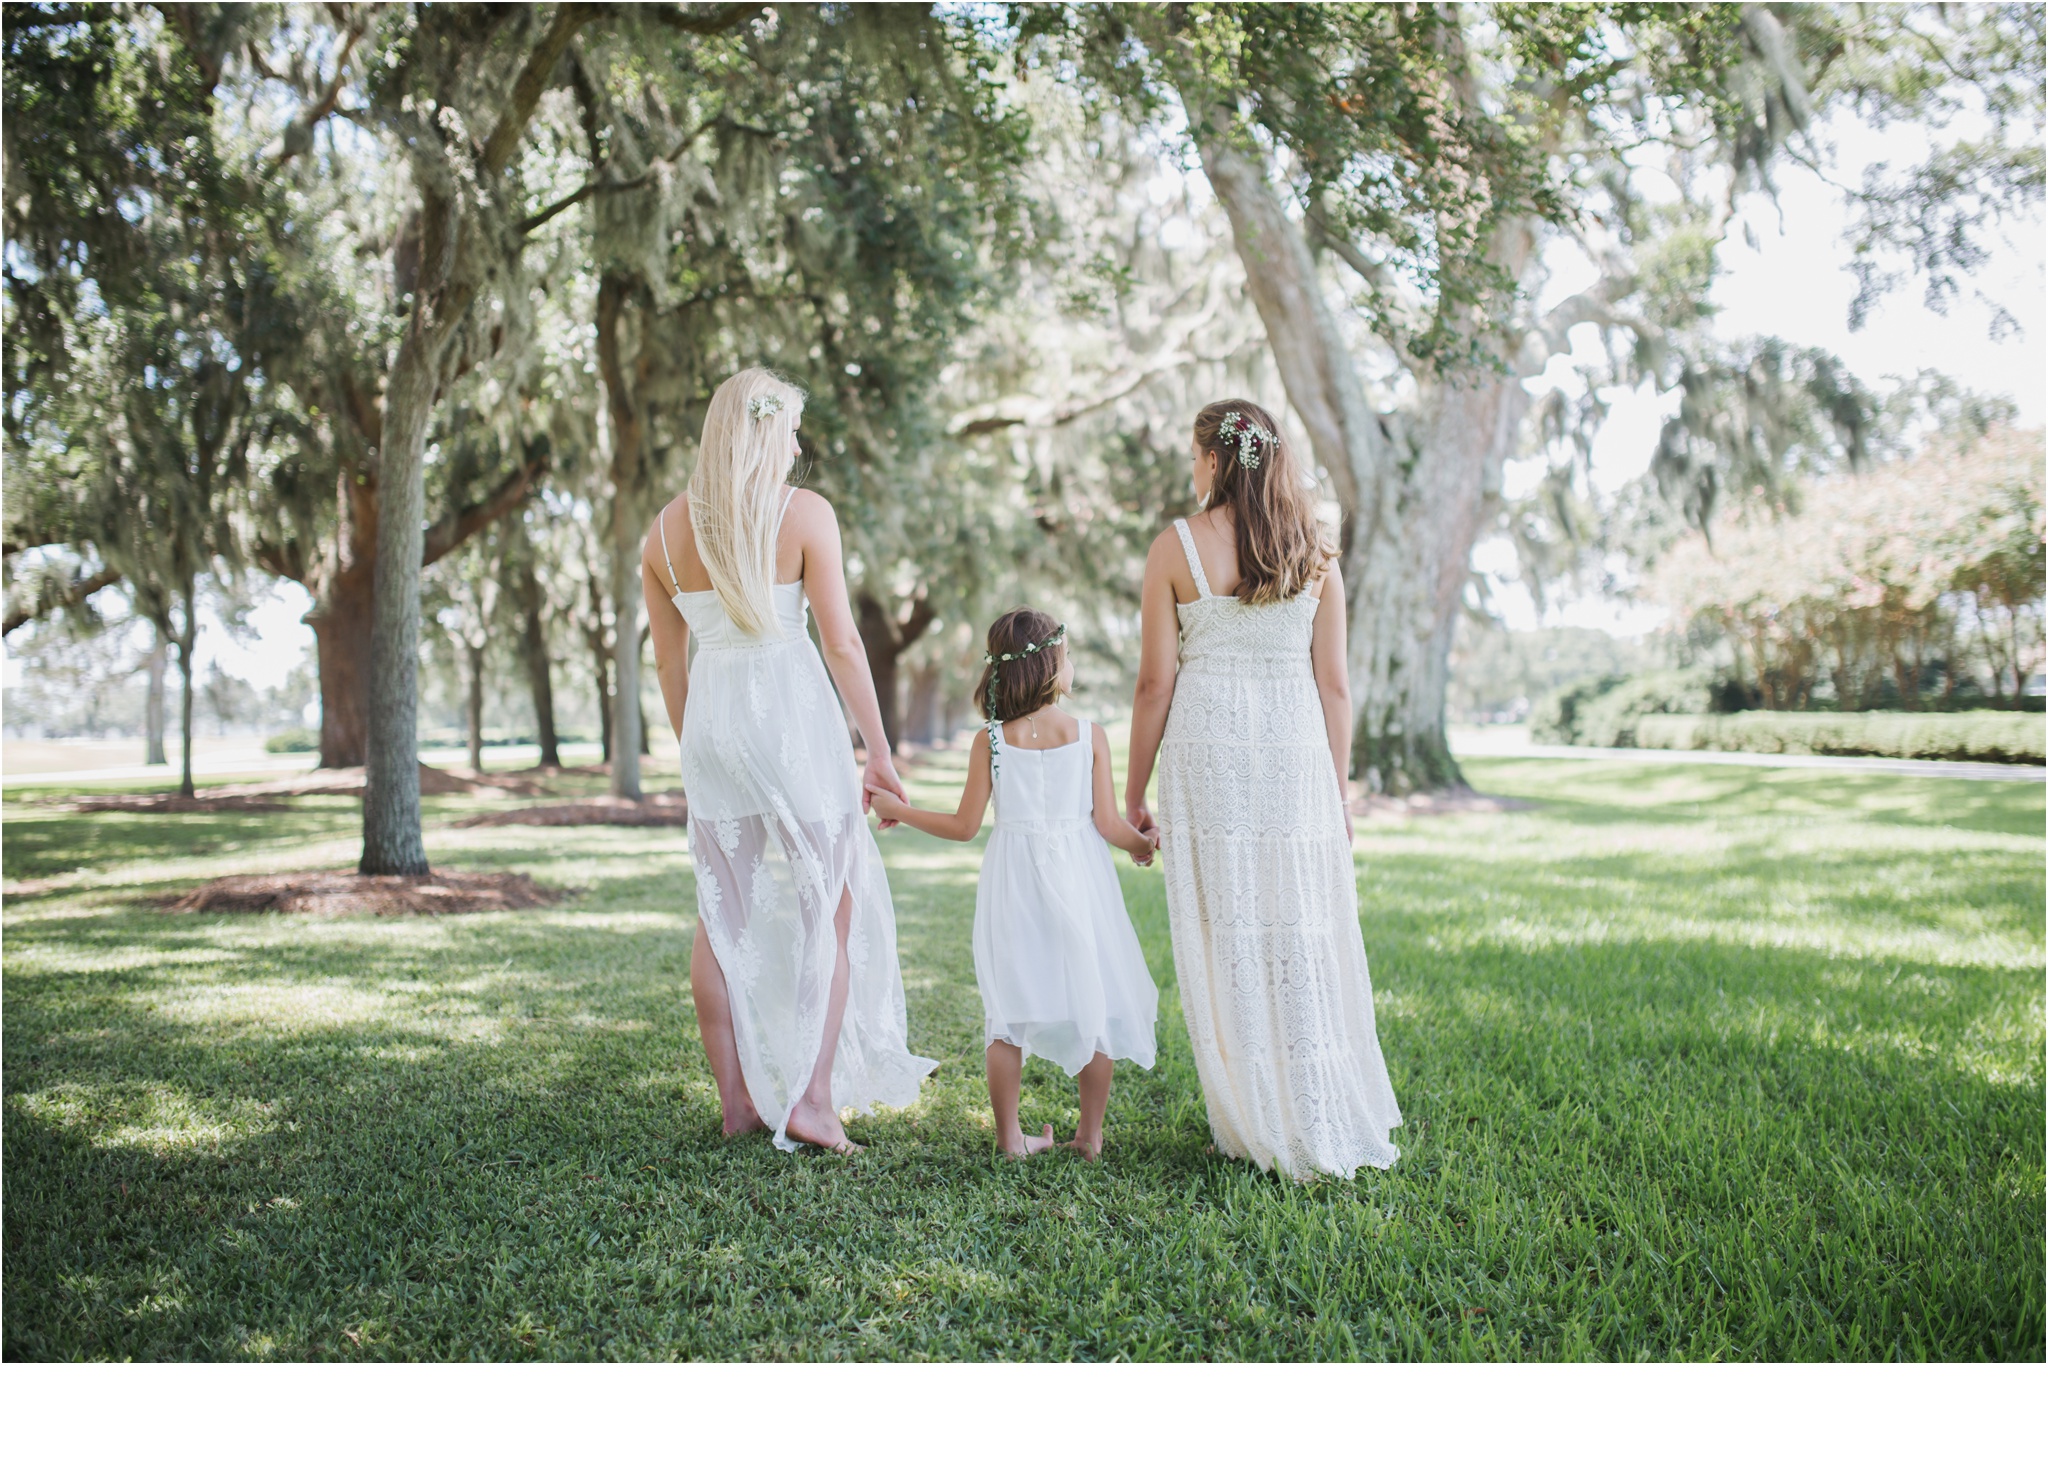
[(649, 809), (346, 893)]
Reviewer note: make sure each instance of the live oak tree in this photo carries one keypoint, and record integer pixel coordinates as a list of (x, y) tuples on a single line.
[(1396, 176), (140, 305), (821, 190)]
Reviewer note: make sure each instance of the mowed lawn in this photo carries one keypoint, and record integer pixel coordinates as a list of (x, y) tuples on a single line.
[(1697, 1062)]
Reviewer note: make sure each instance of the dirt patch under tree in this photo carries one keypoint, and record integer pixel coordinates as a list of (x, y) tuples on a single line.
[(346, 893)]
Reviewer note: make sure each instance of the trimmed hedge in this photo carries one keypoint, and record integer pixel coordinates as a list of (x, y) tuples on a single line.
[(1976, 737), (1602, 712)]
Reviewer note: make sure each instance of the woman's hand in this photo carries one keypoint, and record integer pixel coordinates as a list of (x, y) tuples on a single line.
[(880, 776), (1141, 820)]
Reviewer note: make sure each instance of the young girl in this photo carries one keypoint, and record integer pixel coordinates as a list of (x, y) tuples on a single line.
[(1059, 967)]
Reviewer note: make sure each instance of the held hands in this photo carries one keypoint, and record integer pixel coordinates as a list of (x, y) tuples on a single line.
[(886, 806), (880, 778)]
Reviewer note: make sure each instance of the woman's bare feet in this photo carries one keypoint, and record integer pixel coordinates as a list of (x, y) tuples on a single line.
[(1027, 1145), (814, 1124), (745, 1122), (1085, 1150)]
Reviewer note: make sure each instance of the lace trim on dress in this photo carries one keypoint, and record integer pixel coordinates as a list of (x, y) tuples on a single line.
[(1187, 544)]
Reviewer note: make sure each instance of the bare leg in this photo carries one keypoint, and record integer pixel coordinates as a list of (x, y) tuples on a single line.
[(813, 1120), (1005, 1080), (714, 1023), (1094, 1080)]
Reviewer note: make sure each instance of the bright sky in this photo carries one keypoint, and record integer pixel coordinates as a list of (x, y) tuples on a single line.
[(1794, 284)]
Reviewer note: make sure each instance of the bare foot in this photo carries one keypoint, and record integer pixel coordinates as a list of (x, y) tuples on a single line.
[(1085, 1151), (814, 1124), (743, 1123), (1030, 1144)]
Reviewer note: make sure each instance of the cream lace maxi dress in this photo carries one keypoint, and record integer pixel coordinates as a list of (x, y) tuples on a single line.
[(1261, 896), (777, 836)]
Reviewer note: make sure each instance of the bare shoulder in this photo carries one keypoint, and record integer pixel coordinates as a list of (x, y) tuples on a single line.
[(671, 528), (1332, 579), (1165, 547), (1100, 738), (809, 508)]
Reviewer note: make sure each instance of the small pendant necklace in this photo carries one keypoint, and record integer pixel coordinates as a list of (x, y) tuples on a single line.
[(1031, 721)]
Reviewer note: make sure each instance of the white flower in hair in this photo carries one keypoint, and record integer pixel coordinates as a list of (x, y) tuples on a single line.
[(764, 406), (1247, 434)]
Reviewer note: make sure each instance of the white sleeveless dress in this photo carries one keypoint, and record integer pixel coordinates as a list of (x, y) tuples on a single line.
[(1261, 895), (777, 836), (1060, 970)]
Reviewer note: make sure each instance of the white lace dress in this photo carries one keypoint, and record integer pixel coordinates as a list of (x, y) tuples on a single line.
[(777, 836), (1261, 895)]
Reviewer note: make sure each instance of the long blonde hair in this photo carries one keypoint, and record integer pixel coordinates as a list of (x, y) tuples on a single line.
[(743, 461)]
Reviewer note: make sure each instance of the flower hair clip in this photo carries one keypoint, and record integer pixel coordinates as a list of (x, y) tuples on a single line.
[(1247, 435), (763, 407), (1031, 648)]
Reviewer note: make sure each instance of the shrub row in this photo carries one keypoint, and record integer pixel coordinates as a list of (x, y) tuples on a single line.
[(1602, 712), (1978, 737)]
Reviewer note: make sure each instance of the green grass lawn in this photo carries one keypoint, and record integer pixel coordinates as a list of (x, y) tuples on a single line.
[(1697, 1062)]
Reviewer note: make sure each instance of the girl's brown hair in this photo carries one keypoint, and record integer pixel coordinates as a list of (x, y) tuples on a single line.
[(1009, 690), (1281, 550)]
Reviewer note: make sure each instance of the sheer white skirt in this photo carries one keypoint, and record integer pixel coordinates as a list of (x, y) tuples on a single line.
[(779, 843)]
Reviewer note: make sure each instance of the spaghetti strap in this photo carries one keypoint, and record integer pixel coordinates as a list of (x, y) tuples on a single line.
[(661, 520), (787, 499), (1187, 544)]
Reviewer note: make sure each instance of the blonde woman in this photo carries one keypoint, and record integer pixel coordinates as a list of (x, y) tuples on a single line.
[(798, 994), (1244, 704)]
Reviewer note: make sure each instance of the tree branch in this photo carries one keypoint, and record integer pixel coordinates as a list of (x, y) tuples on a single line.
[(453, 529), (599, 185), (298, 136), (48, 603), (533, 80), (716, 23)]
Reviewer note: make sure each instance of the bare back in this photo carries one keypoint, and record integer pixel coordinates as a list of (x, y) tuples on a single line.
[(681, 538)]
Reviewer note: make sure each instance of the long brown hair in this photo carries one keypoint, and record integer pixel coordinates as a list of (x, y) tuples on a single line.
[(1281, 549), (1009, 690)]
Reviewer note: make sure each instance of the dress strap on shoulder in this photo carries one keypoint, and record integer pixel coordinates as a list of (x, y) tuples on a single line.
[(1187, 544), (787, 500), (661, 521)]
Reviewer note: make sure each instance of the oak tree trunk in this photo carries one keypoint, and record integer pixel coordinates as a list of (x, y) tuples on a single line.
[(473, 655), (188, 635), (533, 650), (615, 295), (392, 843), (925, 721), (1412, 486), (153, 712), (342, 639)]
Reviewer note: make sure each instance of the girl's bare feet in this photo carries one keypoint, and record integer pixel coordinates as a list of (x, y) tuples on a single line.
[(1028, 1145), (813, 1124), (1085, 1150), (746, 1123)]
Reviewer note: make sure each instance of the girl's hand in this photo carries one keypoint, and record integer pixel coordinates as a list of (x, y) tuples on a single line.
[(887, 806), (1142, 860), (880, 777)]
